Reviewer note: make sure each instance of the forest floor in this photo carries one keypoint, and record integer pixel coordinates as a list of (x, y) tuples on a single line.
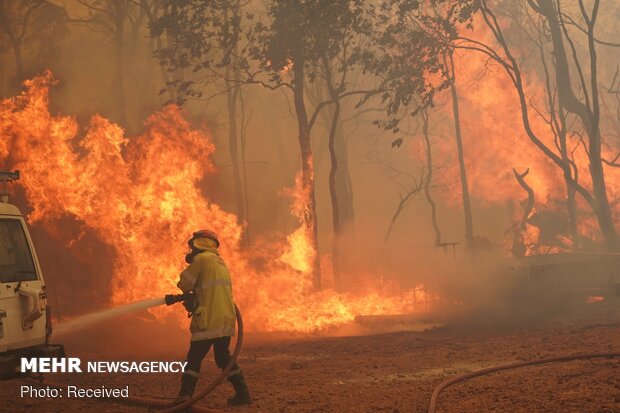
[(389, 372)]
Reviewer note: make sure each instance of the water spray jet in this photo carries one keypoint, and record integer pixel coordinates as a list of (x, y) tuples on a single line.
[(100, 316), (84, 321)]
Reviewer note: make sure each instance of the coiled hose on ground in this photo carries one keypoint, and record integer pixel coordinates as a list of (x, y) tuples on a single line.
[(164, 404), (432, 406)]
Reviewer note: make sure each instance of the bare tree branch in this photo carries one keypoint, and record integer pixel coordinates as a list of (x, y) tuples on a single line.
[(572, 22), (530, 196)]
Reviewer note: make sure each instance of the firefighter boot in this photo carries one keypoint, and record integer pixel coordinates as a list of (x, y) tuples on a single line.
[(188, 384), (242, 394)]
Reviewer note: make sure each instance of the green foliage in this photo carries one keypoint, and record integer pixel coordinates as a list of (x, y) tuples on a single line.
[(411, 40), (202, 35), (309, 33), (400, 44), (310, 30)]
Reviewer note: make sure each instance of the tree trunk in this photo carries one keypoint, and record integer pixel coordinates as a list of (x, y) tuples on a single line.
[(232, 97), (307, 167), (333, 193), (571, 206), (597, 201), (344, 191), (337, 178), (469, 226), (244, 171), (404, 200), (603, 209), (558, 125), (13, 40), (232, 93), (19, 62), (571, 202), (588, 113), (429, 178), (152, 15), (344, 187), (531, 197), (118, 76)]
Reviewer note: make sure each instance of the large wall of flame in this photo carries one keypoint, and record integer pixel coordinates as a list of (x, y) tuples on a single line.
[(141, 196)]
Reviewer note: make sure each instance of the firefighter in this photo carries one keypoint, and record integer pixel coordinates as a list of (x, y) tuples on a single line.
[(213, 319)]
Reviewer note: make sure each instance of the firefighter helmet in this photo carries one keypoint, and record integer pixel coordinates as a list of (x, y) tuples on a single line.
[(205, 233)]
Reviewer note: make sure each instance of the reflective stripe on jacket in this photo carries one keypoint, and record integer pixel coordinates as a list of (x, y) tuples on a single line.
[(209, 278)]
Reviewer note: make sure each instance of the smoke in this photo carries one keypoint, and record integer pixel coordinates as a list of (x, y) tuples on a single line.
[(491, 290)]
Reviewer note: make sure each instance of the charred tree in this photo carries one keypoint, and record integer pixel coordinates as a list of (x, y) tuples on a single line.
[(416, 187), (307, 166), (558, 125), (519, 247), (232, 98), (410, 182), (429, 177), (588, 112), (245, 120), (112, 16), (344, 191), (333, 157), (118, 14), (344, 186), (344, 183), (320, 40), (469, 225), (15, 18), (330, 91), (529, 203)]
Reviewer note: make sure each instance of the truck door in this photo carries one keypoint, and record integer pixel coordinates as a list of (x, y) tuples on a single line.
[(22, 299)]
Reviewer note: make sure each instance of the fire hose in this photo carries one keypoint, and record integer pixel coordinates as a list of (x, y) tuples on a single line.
[(188, 405), (432, 406)]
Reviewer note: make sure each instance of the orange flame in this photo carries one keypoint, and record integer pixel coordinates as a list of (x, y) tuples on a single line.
[(141, 196), (495, 142), (299, 254)]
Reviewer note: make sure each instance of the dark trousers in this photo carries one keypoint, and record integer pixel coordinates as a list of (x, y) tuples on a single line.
[(199, 349)]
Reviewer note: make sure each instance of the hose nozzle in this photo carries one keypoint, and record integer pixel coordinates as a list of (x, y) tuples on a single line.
[(188, 300), (176, 298)]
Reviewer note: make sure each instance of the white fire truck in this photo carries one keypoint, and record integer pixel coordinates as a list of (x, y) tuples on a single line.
[(25, 318)]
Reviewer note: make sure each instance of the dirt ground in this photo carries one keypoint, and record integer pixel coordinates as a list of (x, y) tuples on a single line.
[(388, 372)]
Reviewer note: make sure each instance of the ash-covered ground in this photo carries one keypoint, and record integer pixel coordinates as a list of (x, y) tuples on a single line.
[(389, 372)]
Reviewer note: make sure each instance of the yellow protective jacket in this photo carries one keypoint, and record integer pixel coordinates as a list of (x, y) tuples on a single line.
[(208, 277)]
